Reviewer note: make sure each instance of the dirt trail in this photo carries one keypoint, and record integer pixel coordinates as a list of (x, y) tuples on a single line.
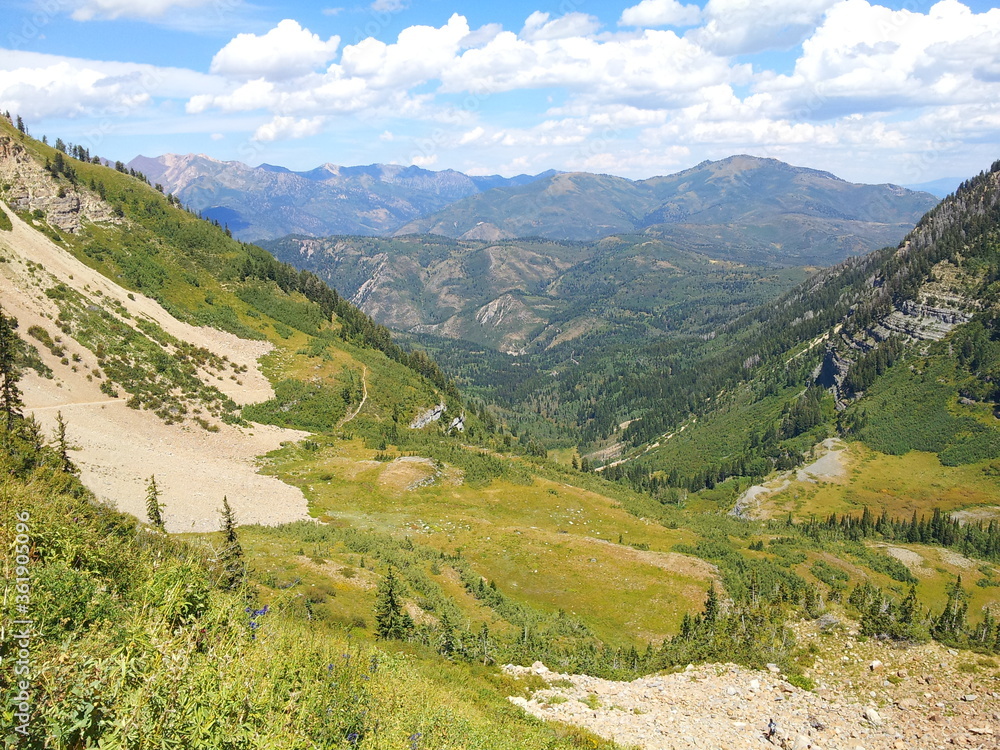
[(364, 398), (118, 448)]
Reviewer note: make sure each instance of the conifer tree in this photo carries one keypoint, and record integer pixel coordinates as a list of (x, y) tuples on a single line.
[(711, 605), (10, 395), (63, 446), (447, 644), (231, 557), (392, 622), (153, 504)]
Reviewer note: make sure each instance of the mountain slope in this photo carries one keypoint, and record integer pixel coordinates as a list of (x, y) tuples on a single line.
[(522, 296), (150, 322), (905, 341), (741, 208), (266, 201)]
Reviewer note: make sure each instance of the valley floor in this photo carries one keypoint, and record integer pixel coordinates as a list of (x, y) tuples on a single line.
[(870, 695)]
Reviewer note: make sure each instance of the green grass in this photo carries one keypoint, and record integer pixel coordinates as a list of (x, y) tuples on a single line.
[(551, 545), (915, 481)]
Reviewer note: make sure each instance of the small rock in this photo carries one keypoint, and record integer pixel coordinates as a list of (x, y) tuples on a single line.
[(755, 684), (980, 730), (786, 688), (730, 691), (907, 704), (902, 673), (875, 666), (773, 668), (539, 668), (969, 698), (801, 743), (872, 717)]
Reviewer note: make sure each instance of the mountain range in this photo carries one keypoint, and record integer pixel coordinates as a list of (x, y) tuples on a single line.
[(741, 208), (267, 201)]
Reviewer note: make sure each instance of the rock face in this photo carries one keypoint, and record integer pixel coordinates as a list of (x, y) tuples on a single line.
[(431, 415), (26, 186)]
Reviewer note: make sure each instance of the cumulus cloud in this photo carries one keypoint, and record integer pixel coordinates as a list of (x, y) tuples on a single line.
[(286, 51), (538, 26), (282, 128), (88, 10), (653, 13), (868, 58), (656, 69), (39, 85), (739, 27)]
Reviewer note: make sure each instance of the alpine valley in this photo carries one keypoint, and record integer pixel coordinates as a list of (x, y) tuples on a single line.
[(709, 460)]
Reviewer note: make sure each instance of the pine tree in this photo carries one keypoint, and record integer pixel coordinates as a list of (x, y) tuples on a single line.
[(392, 622), (447, 643), (63, 446), (153, 504), (10, 373), (711, 606), (231, 557)]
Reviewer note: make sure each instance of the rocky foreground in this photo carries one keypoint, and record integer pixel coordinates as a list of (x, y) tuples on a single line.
[(870, 696)]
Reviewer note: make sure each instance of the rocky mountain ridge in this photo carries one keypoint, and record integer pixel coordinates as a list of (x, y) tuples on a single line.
[(270, 201)]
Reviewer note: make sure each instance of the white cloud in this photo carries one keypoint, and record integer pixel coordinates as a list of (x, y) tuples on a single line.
[(472, 136), (737, 27), (653, 70), (87, 10), (424, 160), (286, 51), (868, 58), (283, 128), (538, 26), (651, 13), (39, 85), (387, 135), (388, 6)]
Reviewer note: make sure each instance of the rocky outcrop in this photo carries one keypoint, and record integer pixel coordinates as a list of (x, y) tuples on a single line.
[(431, 415), (920, 322), (27, 186)]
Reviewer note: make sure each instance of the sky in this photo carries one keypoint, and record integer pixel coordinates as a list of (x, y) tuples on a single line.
[(902, 92)]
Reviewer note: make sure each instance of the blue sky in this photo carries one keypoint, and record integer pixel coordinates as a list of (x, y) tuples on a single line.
[(893, 92)]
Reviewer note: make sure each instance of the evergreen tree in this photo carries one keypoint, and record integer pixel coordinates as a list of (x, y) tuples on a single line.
[(154, 506), (392, 621), (10, 373), (950, 625), (231, 557), (711, 606), (63, 446), (447, 643)]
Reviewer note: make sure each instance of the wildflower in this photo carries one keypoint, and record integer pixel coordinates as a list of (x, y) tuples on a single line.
[(415, 740)]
